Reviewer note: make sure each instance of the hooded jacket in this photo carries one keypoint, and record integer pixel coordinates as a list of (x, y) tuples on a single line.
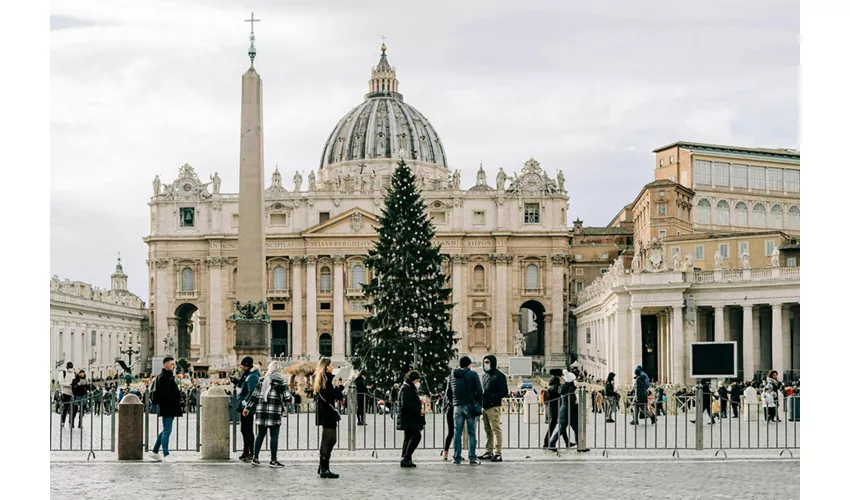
[(168, 395), (610, 390), (495, 384), (66, 377), (641, 385), (466, 387), (247, 384)]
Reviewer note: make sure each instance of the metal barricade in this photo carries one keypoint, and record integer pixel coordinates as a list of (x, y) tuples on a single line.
[(185, 430), (81, 424)]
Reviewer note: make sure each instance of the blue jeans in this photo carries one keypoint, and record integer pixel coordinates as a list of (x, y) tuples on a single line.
[(462, 417), (164, 435)]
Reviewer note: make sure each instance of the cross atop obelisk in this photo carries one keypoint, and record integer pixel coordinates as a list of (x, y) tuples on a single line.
[(252, 51)]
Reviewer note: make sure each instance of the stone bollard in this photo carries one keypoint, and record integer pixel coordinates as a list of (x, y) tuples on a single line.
[(215, 424), (130, 428)]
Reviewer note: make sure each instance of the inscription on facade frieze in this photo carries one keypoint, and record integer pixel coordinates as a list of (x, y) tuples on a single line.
[(283, 244), (339, 243), (478, 243), (225, 245)]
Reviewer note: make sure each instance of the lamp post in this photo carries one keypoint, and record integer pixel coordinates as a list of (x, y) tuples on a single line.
[(129, 351)]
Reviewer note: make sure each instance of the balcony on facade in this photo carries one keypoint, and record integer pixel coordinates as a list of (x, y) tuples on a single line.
[(187, 294), (479, 290), (531, 292), (277, 293), (354, 293)]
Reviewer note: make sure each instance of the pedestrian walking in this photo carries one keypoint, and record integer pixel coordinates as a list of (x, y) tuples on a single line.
[(362, 388), (660, 399), (723, 395), (768, 398), (706, 399), (267, 403), (66, 378), (552, 401), (246, 384), (466, 397), (611, 396), (641, 406), (448, 407), (495, 386), (411, 417), (568, 413), (326, 415), (735, 397), (166, 395), (79, 389)]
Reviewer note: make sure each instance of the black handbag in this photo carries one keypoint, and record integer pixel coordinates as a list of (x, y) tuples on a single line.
[(337, 416)]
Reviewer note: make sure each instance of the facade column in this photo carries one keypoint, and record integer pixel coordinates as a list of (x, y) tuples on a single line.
[(458, 263), (502, 260), (786, 338), (556, 352), (339, 322), (162, 308), (661, 351), (215, 330), (776, 340), (747, 342), (757, 351), (623, 345), (312, 334), (678, 346), (637, 344), (719, 324), (297, 348)]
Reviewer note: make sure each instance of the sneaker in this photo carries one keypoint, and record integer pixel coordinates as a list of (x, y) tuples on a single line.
[(155, 456), (167, 459), (445, 455), (455, 462), (255, 462), (610, 421), (474, 462), (496, 458), (633, 423), (407, 464), (487, 456), (274, 464)]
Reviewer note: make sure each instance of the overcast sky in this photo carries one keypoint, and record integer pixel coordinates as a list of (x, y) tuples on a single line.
[(139, 88)]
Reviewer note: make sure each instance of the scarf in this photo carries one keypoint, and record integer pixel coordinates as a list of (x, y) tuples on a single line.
[(273, 377)]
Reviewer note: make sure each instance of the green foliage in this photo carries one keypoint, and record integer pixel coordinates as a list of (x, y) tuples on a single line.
[(183, 365), (408, 292)]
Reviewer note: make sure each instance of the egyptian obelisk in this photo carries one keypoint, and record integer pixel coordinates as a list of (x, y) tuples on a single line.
[(251, 315)]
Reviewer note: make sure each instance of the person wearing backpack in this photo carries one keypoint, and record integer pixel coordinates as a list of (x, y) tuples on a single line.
[(166, 395)]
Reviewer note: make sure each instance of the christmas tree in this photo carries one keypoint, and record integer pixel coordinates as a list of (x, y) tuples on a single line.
[(410, 323)]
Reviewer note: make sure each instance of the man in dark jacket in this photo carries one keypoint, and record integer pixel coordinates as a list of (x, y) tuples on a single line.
[(466, 399), (246, 384), (362, 389), (641, 396), (552, 401), (611, 396), (495, 388), (166, 395), (723, 394), (735, 397), (411, 417)]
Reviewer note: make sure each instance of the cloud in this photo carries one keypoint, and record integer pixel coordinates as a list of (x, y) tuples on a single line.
[(138, 89)]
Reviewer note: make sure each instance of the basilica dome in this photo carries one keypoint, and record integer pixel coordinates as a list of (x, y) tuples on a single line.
[(383, 126)]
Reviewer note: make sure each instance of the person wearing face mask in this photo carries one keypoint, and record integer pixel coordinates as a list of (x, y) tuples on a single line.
[(495, 388), (411, 417)]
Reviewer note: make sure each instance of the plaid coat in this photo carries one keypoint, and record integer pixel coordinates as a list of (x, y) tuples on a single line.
[(268, 413)]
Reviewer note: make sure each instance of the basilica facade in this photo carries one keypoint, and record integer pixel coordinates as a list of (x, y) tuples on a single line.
[(505, 245)]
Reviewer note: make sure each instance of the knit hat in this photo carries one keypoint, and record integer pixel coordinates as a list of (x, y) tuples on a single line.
[(556, 372), (247, 361)]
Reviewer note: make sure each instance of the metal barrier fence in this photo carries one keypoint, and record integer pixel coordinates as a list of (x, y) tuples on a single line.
[(187, 440), (81, 424)]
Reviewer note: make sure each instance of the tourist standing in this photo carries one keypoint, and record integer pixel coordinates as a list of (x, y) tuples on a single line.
[(166, 395), (411, 417), (568, 413), (611, 396), (362, 388), (768, 398), (495, 388), (552, 402), (660, 399), (723, 394), (326, 415), (65, 380), (246, 384), (448, 407), (735, 397), (706, 399), (267, 402), (80, 389), (466, 398), (641, 397)]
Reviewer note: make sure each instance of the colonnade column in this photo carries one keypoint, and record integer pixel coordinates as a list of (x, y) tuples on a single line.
[(556, 354), (678, 346), (719, 324), (312, 339), (458, 263), (747, 342), (776, 340), (637, 341), (297, 349), (339, 324), (623, 344)]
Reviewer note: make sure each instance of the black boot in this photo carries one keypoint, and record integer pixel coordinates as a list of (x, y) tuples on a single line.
[(325, 469)]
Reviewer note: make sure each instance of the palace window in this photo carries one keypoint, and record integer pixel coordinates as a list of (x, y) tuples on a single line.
[(325, 306), (439, 217), (661, 163), (603, 271), (702, 172), (277, 219), (776, 216), (279, 278), (532, 213), (588, 336), (774, 179), (704, 211), (478, 277), (724, 251), (478, 218), (699, 250), (743, 248), (579, 272), (741, 214), (720, 174), (758, 178), (792, 180), (794, 217), (759, 215), (791, 262), (531, 277), (723, 212), (579, 286), (187, 217), (324, 217), (234, 220), (768, 247), (358, 276), (187, 280), (739, 176), (325, 281), (662, 209), (662, 234)]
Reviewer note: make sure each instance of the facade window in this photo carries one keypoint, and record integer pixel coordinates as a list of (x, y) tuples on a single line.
[(187, 217), (791, 262), (187, 280), (743, 248), (603, 271), (704, 211), (702, 172), (723, 212), (720, 174), (234, 220), (759, 215), (699, 250), (579, 286), (325, 306), (325, 281), (603, 256), (478, 277), (579, 272), (758, 178), (588, 336), (439, 217), (662, 234), (326, 345), (324, 217), (724, 251), (792, 180), (662, 209), (776, 216), (532, 213), (741, 214), (769, 245), (794, 217), (671, 160), (531, 278), (775, 179), (578, 256), (279, 278), (739, 176), (661, 162), (358, 276), (277, 219), (478, 217)]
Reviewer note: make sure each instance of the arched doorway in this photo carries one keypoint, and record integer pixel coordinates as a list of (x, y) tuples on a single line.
[(325, 345), (532, 325), (186, 315)]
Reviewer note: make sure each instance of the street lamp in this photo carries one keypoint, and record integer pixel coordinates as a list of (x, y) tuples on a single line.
[(128, 366)]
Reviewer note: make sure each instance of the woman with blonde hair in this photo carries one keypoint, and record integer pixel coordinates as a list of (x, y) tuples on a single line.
[(326, 414), (268, 400)]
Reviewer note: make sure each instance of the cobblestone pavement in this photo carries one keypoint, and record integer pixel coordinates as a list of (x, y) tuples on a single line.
[(659, 480)]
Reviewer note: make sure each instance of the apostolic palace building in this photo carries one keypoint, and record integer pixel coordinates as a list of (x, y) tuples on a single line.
[(708, 250)]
